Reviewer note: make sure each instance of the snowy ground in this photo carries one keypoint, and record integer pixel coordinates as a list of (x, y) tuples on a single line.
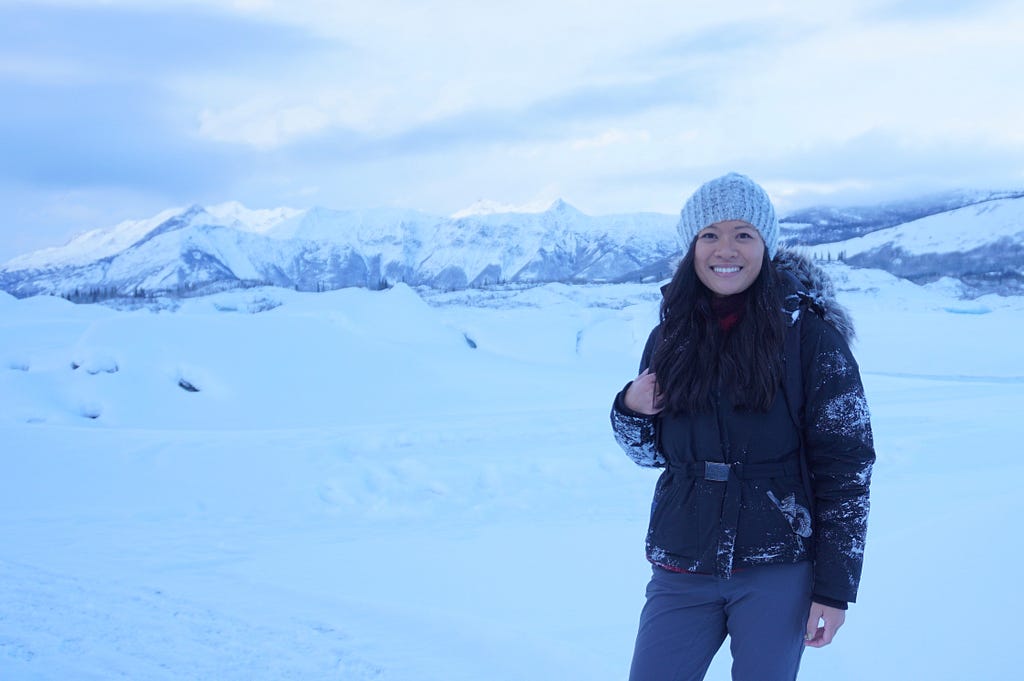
[(357, 493)]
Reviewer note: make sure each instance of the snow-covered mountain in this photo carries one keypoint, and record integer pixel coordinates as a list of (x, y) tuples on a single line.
[(975, 237), (200, 249), (825, 224), (981, 244)]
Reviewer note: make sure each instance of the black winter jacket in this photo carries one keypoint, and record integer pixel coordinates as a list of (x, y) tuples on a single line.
[(796, 484)]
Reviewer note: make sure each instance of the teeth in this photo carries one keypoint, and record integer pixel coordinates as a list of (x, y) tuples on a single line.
[(726, 270)]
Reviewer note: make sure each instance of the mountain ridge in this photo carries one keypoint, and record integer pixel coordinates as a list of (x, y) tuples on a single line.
[(203, 249), (322, 248)]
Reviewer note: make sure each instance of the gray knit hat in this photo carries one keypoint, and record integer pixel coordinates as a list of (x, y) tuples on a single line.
[(730, 197)]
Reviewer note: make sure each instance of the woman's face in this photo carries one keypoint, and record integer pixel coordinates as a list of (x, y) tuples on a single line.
[(728, 256)]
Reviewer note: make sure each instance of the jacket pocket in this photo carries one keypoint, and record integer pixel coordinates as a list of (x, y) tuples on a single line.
[(675, 517), (775, 524)]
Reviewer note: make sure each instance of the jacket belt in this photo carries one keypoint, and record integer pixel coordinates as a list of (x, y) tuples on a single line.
[(720, 472)]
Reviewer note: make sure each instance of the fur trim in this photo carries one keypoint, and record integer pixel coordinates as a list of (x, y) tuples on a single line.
[(815, 290)]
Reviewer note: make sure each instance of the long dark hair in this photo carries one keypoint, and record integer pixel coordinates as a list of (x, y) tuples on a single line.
[(695, 358)]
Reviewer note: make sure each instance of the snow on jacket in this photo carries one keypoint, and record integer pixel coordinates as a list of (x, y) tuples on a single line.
[(737, 491)]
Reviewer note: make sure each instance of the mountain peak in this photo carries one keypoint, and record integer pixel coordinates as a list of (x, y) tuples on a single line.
[(561, 206), (489, 207), (259, 220)]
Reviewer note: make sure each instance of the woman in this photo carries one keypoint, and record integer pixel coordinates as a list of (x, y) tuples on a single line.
[(749, 398)]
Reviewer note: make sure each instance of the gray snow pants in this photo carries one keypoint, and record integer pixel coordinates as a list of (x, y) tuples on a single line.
[(687, 616)]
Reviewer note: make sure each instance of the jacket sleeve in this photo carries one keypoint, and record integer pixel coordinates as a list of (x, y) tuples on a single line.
[(840, 455), (637, 433)]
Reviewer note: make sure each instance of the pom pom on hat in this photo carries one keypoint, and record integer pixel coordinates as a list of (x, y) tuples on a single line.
[(730, 197)]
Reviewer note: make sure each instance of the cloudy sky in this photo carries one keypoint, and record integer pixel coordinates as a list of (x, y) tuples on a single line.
[(117, 109)]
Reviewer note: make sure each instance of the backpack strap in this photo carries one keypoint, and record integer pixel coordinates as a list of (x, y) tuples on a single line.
[(793, 391)]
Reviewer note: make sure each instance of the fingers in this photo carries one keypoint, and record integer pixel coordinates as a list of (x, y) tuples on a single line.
[(819, 639), (642, 394), (650, 383), (831, 618), (648, 380), (657, 398), (812, 633)]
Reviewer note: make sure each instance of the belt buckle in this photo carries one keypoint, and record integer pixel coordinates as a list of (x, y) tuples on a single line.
[(718, 472)]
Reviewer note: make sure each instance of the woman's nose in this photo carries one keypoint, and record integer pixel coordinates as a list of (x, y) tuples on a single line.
[(726, 247)]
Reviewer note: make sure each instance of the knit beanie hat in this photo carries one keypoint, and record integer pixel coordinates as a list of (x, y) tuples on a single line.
[(730, 197)]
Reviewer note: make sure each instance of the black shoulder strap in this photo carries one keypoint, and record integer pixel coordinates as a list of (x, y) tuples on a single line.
[(793, 390), (793, 381)]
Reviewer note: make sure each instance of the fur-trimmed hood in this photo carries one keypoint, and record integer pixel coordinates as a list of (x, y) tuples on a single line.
[(813, 288)]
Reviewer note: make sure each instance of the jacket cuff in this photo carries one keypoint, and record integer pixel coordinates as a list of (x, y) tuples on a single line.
[(830, 602), (620, 404)]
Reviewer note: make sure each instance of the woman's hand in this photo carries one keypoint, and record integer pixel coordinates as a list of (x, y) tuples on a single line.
[(833, 618), (642, 396)]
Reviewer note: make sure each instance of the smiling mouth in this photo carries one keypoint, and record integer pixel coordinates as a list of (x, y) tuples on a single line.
[(725, 270)]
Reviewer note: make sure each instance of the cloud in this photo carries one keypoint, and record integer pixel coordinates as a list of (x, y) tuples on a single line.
[(611, 137), (553, 120), (263, 127), (614, 107), (882, 158), (721, 38), (877, 165), (88, 102), (113, 43), (622, 98), (918, 10), (115, 137)]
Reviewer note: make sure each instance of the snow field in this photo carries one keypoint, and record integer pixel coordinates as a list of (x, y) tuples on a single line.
[(356, 493)]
